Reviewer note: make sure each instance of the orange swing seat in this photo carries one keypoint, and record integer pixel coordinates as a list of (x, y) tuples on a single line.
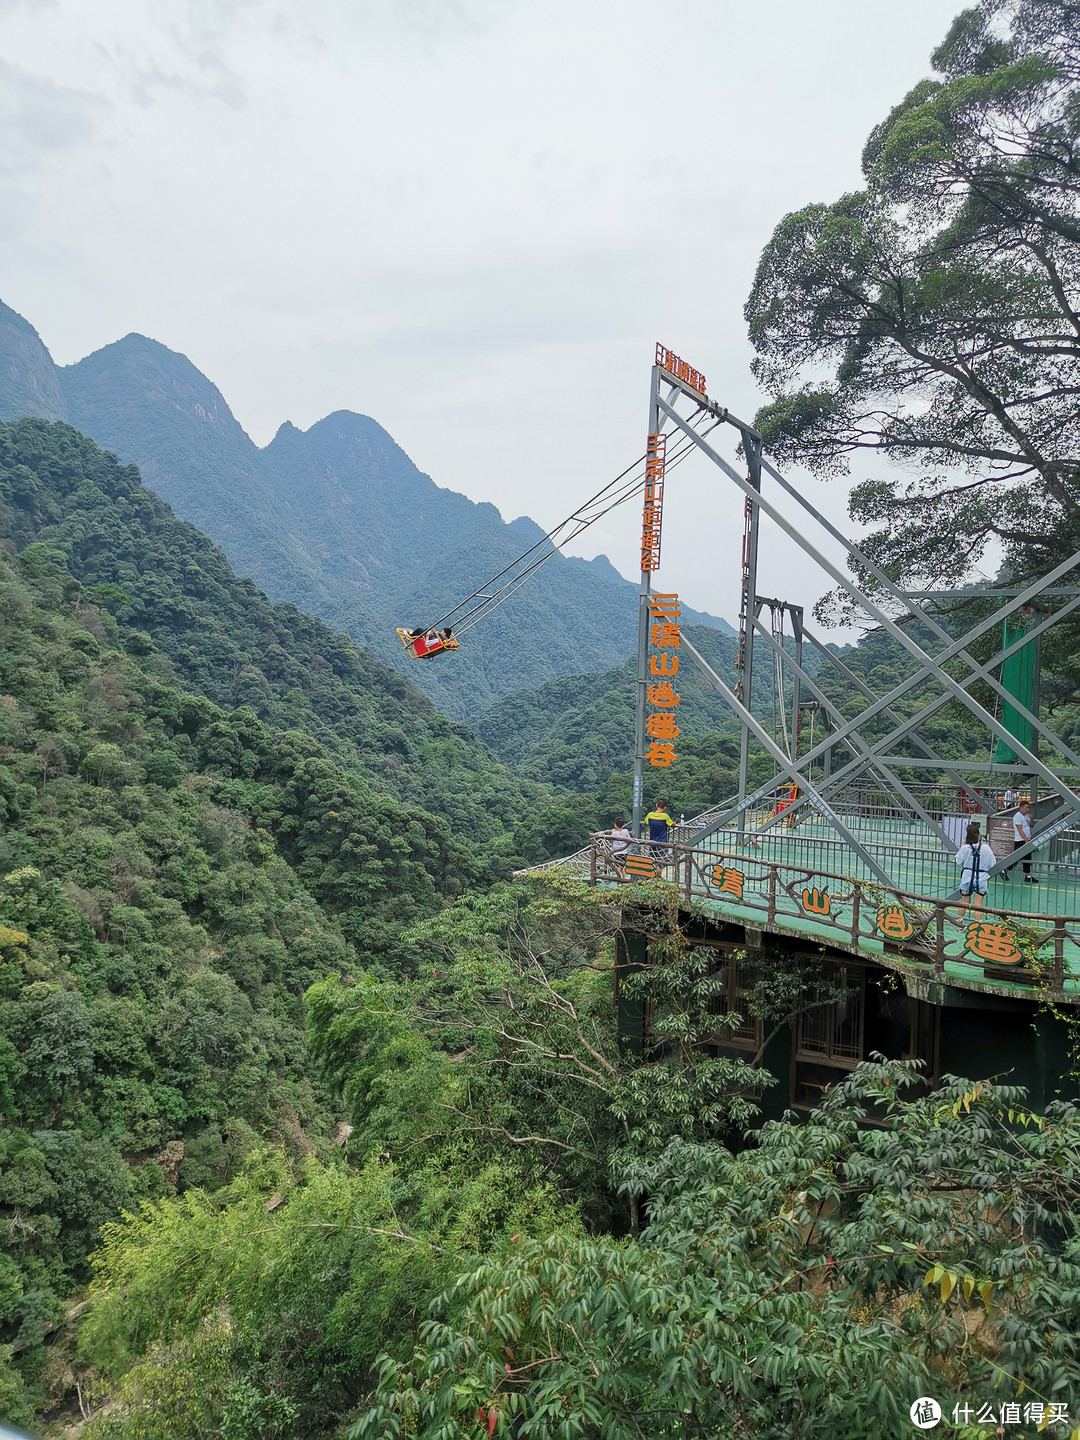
[(418, 647)]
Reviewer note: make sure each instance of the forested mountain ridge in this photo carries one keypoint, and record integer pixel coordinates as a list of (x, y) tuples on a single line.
[(223, 639), (173, 880), (335, 519), (578, 730)]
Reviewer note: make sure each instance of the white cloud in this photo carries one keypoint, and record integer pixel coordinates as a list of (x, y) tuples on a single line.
[(468, 218)]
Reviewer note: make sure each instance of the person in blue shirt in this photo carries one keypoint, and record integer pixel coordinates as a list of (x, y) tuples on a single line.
[(660, 826)]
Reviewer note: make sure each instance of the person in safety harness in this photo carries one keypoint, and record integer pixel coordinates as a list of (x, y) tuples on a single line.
[(973, 867), (660, 826)]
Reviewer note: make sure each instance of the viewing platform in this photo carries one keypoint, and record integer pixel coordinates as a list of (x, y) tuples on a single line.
[(803, 883)]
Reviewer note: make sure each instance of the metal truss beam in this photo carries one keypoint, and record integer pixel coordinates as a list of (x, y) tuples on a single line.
[(880, 766), (988, 592), (644, 592), (878, 747), (748, 608), (973, 767), (905, 728), (890, 714), (931, 665), (788, 766), (900, 732), (980, 672)]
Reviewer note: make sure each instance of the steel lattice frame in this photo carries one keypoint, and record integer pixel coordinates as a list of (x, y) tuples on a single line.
[(874, 752)]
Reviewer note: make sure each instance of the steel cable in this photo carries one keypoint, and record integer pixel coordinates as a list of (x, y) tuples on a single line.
[(581, 518)]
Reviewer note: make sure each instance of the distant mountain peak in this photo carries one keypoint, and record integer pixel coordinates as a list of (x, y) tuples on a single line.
[(122, 379), (16, 321), (527, 527), (336, 518), (28, 379), (134, 346)]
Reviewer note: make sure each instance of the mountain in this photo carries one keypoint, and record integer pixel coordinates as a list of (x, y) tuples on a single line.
[(174, 875), (578, 730), (219, 637), (29, 383), (336, 520)]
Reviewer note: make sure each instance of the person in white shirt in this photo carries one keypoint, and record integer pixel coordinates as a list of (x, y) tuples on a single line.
[(974, 862), (620, 844), (1008, 800), (1021, 835)]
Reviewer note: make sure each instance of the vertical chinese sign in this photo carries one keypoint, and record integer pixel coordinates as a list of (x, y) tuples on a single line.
[(660, 724)]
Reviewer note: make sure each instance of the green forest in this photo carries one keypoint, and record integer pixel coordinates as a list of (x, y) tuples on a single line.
[(319, 1119)]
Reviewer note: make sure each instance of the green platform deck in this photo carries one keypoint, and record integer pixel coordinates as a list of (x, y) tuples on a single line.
[(1044, 918)]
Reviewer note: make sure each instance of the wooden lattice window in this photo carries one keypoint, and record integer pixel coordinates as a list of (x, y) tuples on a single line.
[(739, 978), (834, 1033)]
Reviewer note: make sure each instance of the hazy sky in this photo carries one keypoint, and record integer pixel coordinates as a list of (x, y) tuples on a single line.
[(470, 219)]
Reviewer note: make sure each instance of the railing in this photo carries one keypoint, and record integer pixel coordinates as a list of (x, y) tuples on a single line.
[(1007, 947)]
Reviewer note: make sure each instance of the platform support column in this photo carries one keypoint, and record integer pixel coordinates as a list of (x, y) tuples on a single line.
[(644, 596), (744, 679)]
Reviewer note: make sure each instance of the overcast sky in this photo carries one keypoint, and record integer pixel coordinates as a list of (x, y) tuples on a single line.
[(469, 219)]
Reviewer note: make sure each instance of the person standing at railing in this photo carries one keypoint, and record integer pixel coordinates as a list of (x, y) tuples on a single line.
[(973, 877), (660, 826), (1021, 835), (620, 844)]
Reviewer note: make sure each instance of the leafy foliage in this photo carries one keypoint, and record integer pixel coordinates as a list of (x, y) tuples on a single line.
[(172, 880), (813, 1285), (488, 1103), (943, 297), (301, 1279)]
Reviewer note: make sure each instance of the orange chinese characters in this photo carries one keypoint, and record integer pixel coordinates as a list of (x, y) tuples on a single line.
[(729, 881), (816, 902), (894, 924), (676, 365), (661, 726), (992, 942), (663, 694)]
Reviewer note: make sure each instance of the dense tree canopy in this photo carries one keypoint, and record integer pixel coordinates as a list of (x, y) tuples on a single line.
[(223, 640), (173, 878), (944, 297), (814, 1285)]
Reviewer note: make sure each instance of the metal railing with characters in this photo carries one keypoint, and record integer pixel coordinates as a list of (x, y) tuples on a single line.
[(1028, 953)]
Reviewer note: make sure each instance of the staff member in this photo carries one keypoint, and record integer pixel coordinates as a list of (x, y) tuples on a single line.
[(1021, 835)]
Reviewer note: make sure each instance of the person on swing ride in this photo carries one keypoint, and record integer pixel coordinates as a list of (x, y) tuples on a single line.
[(973, 868), (660, 826)]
